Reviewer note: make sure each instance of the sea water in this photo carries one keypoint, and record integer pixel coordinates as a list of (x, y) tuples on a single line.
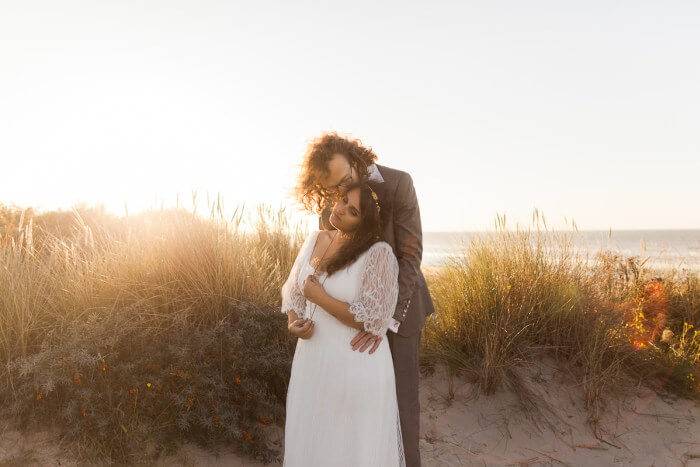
[(661, 249)]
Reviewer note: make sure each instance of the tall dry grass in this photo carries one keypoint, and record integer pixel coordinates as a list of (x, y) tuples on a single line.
[(516, 294), (132, 334), (162, 262), (161, 326)]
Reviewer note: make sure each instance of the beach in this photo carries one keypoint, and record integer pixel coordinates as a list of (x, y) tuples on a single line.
[(462, 428)]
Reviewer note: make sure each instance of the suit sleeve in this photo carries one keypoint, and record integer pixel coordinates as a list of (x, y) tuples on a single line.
[(408, 243)]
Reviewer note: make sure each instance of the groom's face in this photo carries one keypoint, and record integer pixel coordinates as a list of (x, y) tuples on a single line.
[(339, 175)]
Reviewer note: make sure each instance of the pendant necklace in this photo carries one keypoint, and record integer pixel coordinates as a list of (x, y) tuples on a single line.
[(316, 263)]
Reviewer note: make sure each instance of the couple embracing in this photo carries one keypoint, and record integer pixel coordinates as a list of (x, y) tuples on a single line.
[(357, 301)]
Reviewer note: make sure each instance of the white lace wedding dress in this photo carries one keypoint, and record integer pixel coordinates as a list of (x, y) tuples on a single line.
[(341, 404)]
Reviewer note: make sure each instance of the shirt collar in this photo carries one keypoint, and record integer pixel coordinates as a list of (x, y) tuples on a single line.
[(374, 174)]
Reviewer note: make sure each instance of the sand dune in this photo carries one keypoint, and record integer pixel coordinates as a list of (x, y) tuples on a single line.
[(472, 429)]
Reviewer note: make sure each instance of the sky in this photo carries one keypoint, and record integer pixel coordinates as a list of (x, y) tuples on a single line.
[(588, 111)]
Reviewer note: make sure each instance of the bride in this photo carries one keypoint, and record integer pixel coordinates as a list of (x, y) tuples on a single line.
[(341, 404)]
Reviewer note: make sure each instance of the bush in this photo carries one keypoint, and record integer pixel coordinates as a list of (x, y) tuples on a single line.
[(116, 390), (512, 295), (147, 330)]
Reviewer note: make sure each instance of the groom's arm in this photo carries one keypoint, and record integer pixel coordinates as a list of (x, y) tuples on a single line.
[(408, 243)]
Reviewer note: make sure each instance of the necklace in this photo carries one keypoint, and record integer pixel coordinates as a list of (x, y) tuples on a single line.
[(316, 264)]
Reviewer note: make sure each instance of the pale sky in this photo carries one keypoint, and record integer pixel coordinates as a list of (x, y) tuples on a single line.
[(586, 110)]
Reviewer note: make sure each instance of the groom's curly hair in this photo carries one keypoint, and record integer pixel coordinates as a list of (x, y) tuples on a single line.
[(309, 191)]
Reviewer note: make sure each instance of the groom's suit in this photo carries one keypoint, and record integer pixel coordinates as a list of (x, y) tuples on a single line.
[(401, 225)]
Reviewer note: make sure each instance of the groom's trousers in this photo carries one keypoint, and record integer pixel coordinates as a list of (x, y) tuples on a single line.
[(405, 354)]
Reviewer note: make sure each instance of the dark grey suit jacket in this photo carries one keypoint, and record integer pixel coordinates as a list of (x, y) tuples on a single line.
[(401, 226)]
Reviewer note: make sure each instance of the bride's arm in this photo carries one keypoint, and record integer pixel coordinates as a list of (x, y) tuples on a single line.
[(315, 293), (377, 295), (291, 317), (293, 300)]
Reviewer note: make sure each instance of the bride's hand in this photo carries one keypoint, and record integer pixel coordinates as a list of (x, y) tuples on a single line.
[(313, 290), (301, 328)]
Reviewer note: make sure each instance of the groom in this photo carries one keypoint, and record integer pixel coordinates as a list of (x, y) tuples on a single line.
[(330, 165)]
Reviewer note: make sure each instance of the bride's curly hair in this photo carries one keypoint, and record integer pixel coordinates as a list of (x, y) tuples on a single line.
[(309, 191), (367, 233)]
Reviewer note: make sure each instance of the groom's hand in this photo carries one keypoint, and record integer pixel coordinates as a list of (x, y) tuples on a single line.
[(363, 340)]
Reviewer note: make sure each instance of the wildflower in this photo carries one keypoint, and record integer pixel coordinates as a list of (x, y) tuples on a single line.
[(639, 344), (666, 335), (149, 386), (237, 379), (104, 367)]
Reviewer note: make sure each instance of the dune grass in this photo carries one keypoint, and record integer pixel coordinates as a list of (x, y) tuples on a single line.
[(133, 334), (513, 295)]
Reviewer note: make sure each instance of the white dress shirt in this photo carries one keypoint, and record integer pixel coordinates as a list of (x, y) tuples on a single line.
[(374, 175)]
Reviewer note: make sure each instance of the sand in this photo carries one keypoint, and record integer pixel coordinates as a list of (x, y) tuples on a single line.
[(462, 427), (472, 429)]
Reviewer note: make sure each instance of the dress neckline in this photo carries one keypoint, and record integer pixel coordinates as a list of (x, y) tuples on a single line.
[(308, 263), (308, 260)]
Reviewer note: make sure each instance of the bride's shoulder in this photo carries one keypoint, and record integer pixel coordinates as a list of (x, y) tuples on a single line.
[(380, 253), (314, 234), (381, 247), (325, 233), (321, 235)]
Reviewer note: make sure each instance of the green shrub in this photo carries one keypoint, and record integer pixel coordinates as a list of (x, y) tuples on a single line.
[(115, 391)]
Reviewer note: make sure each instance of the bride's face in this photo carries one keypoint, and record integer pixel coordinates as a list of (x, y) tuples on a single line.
[(346, 214)]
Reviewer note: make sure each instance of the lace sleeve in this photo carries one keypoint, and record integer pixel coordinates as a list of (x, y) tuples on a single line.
[(379, 288), (292, 296)]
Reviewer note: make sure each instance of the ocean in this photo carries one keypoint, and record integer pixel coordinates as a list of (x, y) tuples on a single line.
[(663, 249)]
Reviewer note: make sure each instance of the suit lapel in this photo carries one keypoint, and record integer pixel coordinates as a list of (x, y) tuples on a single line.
[(382, 188), (385, 202)]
